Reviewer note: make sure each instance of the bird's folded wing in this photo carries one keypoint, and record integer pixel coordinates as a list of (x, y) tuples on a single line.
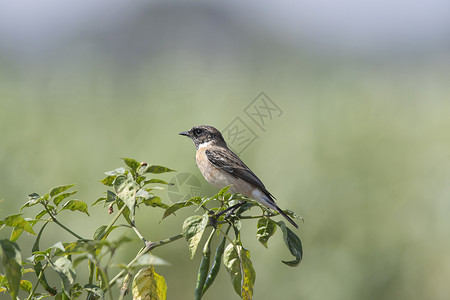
[(226, 160)]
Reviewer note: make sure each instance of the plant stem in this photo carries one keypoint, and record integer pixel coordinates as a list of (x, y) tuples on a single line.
[(113, 221), (60, 224), (37, 283), (149, 246), (100, 237), (163, 242), (141, 237)]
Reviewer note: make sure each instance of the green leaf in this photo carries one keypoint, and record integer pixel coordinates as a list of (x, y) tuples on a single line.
[(131, 163), (148, 260), (58, 245), (66, 271), (62, 296), (125, 189), (110, 196), (154, 201), (32, 200), (246, 206), (140, 179), (147, 284), (26, 286), (76, 205), (115, 172), (266, 229), (293, 243), (292, 214), (59, 189), (240, 268), (154, 180), (12, 264), (78, 247), (176, 206), (15, 234), (38, 265), (34, 197), (61, 197), (4, 286), (108, 180), (155, 169), (94, 289), (193, 228), (222, 191), (100, 233), (17, 221), (99, 200), (27, 270), (41, 214), (76, 291)]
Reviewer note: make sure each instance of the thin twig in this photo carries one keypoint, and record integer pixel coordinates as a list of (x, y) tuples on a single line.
[(148, 247), (37, 283), (60, 224)]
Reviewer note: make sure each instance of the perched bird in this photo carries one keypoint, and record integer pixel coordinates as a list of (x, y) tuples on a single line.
[(221, 167)]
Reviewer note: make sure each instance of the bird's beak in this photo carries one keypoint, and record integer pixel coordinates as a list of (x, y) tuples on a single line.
[(185, 133)]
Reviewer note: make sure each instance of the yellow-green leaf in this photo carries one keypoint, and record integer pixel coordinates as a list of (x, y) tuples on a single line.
[(125, 189), (193, 228), (61, 197), (108, 180), (66, 271), (133, 164), (26, 286), (148, 285), (237, 262), (76, 205), (59, 189), (155, 169), (174, 207), (17, 221), (32, 200), (12, 261), (266, 229), (15, 234)]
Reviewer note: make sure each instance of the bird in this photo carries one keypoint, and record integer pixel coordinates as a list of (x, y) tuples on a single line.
[(221, 167)]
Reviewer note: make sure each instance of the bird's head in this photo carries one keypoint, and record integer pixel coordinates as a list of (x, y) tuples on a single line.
[(205, 135)]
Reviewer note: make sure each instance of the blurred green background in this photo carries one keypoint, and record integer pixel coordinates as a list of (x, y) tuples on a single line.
[(361, 150)]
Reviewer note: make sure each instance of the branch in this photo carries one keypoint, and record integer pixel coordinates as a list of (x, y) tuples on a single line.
[(148, 247), (60, 224)]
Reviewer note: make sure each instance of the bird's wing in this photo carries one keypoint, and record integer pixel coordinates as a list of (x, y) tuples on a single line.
[(226, 160)]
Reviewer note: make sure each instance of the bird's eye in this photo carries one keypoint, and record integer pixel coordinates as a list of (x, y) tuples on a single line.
[(197, 131)]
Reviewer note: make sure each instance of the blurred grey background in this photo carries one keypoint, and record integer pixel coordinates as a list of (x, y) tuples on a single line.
[(361, 149)]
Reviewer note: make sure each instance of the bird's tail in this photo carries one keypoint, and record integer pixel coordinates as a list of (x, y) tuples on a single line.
[(267, 200), (285, 216)]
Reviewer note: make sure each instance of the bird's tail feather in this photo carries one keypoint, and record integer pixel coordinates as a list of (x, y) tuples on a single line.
[(285, 216), (267, 200)]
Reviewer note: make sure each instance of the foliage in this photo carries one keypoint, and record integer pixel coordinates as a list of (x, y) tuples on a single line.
[(129, 188)]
